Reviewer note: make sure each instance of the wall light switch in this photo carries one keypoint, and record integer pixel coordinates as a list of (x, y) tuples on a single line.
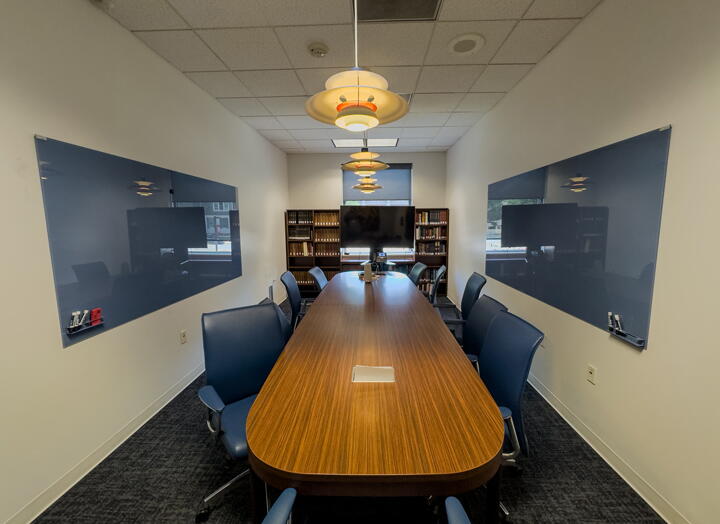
[(591, 374), (183, 336)]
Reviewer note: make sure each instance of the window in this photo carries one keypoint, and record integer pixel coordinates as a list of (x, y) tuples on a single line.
[(494, 221), (217, 227), (396, 182)]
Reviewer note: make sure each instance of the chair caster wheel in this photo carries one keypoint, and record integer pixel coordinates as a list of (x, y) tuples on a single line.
[(203, 515)]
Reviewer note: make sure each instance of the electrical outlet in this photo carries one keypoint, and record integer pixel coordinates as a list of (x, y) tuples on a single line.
[(591, 374), (183, 336)]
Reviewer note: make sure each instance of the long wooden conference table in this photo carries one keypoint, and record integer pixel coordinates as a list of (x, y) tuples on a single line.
[(435, 430)]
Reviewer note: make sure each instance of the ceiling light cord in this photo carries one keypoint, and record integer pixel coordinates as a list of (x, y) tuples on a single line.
[(355, 22)]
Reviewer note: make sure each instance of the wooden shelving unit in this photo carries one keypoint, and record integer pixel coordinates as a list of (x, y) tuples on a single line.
[(432, 234), (313, 239)]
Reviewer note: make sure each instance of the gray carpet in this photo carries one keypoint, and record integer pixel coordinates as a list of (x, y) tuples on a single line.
[(161, 473)]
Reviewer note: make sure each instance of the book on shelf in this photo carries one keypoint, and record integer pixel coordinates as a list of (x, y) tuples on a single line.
[(434, 216), (300, 249), (431, 248), (327, 249), (327, 218), (300, 217), (327, 235), (431, 232)]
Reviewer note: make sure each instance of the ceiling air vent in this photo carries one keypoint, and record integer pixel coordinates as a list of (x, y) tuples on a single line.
[(397, 10)]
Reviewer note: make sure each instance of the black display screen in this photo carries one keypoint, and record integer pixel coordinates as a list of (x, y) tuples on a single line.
[(377, 226)]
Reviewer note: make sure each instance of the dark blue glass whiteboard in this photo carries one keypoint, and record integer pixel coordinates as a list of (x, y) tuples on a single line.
[(582, 234), (129, 237)]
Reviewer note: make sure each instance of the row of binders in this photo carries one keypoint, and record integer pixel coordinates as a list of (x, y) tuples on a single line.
[(326, 218), (300, 217), (431, 248), (439, 216), (300, 249), (327, 235), (327, 250)]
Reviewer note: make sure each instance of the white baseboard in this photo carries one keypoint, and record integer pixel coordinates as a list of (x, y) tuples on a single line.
[(659, 503), (67, 481)]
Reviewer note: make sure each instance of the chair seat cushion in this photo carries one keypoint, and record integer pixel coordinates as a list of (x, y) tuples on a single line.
[(234, 437)]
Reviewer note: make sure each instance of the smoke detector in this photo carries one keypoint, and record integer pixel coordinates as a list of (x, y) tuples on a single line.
[(318, 49)]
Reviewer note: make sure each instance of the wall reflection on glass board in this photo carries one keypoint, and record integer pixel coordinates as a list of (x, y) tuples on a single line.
[(130, 238), (582, 234)]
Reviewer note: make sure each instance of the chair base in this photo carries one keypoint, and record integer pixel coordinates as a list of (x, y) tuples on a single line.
[(204, 514)]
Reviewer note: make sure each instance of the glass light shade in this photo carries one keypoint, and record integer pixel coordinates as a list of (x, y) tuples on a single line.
[(364, 155), (364, 165), (356, 118), (367, 180), (356, 86), (367, 188)]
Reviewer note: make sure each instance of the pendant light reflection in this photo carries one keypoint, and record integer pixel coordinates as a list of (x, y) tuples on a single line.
[(356, 99), (577, 184), (144, 188)]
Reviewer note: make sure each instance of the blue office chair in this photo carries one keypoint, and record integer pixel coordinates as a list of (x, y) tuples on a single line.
[(318, 276), (473, 287), (439, 275), (505, 362), (280, 511), (241, 346), (455, 512), (476, 326), (297, 304), (416, 272)]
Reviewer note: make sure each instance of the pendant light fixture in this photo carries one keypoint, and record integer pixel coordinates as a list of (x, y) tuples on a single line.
[(366, 164), (356, 99)]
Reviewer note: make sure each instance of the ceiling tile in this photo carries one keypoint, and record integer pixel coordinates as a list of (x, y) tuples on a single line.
[(318, 144), (451, 133), (561, 8), (500, 78), (448, 79), (301, 122), (272, 82), (220, 84), (263, 122), (483, 9), (299, 12), (244, 106), (478, 102), (385, 132), (284, 105), (409, 149), (338, 39), (276, 134), (420, 120), (399, 43), (311, 134), (313, 80), (441, 53), (221, 13), (336, 132), (435, 103), (400, 79), (463, 119), (251, 48), (418, 142), (138, 15), (420, 132), (183, 49), (533, 39), (287, 144), (444, 141)]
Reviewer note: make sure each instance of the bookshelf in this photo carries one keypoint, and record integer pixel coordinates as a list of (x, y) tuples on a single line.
[(432, 227), (313, 239)]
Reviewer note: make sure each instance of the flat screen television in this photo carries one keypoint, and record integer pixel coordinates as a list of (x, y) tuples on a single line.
[(377, 227), (535, 225)]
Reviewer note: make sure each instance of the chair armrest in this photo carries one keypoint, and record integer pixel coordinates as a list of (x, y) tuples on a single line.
[(455, 512), (211, 399), (280, 511), (511, 433), (454, 321)]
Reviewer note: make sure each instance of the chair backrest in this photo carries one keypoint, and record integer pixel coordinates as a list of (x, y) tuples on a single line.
[(472, 291), (416, 272), (506, 357), (318, 275), (293, 293), (439, 275), (477, 324), (241, 346)]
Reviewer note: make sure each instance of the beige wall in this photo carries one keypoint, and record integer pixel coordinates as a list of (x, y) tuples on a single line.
[(630, 67), (71, 73), (315, 180)]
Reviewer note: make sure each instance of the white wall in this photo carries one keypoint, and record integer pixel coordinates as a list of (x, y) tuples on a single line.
[(315, 180), (71, 73), (630, 67)]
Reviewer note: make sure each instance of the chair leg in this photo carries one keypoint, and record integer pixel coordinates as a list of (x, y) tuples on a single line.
[(204, 514)]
